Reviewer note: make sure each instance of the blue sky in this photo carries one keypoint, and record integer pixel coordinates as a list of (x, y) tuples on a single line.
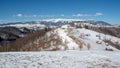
[(27, 10)]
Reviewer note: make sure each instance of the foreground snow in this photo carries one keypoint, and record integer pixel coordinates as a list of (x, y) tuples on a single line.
[(60, 59)]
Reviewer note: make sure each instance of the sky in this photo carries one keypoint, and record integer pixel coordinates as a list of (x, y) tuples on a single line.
[(29, 10)]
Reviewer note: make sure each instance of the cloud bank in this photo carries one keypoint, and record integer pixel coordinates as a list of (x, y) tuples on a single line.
[(61, 15), (87, 15)]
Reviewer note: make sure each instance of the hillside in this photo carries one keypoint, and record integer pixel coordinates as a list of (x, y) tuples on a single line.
[(65, 37), (63, 46)]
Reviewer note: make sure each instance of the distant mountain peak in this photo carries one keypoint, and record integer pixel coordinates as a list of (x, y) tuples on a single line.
[(62, 20), (101, 23)]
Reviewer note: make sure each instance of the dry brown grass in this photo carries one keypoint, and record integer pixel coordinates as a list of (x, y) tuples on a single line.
[(108, 30), (55, 49), (77, 41), (48, 42), (114, 44), (65, 45), (69, 29), (88, 46), (25, 43)]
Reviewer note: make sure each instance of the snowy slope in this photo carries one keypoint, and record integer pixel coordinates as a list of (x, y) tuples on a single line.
[(70, 43), (60, 59), (92, 37), (80, 38)]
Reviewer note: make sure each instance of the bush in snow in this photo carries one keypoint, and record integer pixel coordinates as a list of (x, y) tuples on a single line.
[(55, 49), (99, 42), (112, 43), (80, 45), (78, 41), (98, 36), (106, 44), (87, 34), (86, 26), (88, 46), (108, 49), (82, 35), (65, 45)]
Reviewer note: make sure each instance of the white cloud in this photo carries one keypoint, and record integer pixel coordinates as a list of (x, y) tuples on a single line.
[(98, 14), (34, 15), (19, 15), (62, 15), (80, 15), (83, 15)]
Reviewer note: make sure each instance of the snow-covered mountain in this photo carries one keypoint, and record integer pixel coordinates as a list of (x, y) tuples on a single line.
[(62, 20), (74, 44), (101, 23), (53, 23)]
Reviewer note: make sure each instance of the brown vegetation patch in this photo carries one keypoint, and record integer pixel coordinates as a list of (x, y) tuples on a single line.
[(32, 42), (79, 42), (116, 45), (108, 30)]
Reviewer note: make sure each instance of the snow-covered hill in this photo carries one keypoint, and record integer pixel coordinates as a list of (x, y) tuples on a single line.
[(67, 37), (67, 47), (95, 39), (71, 38)]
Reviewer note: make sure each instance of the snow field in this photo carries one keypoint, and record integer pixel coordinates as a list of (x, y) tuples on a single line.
[(60, 59)]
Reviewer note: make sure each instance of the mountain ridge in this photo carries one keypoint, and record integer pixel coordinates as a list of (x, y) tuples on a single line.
[(57, 22)]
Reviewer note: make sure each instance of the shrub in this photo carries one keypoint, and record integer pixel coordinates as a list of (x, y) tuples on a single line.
[(88, 46), (110, 42), (55, 49), (79, 42), (108, 49), (86, 26), (98, 42), (65, 45), (82, 35)]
